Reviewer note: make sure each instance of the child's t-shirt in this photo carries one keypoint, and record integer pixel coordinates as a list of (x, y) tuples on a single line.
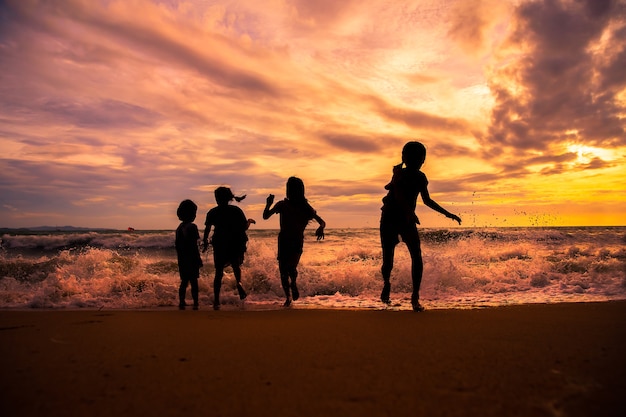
[(294, 217), (186, 243), (230, 225), (404, 188)]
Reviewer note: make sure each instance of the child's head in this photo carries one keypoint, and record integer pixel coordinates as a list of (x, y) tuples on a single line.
[(414, 155), (223, 196), (187, 211), (295, 189)]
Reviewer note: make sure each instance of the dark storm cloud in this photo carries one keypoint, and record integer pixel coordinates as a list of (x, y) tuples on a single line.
[(568, 77)]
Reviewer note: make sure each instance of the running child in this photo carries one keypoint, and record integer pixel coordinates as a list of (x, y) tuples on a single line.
[(229, 239), (295, 214), (398, 217)]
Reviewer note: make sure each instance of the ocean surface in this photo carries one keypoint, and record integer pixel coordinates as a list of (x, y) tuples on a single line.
[(463, 268)]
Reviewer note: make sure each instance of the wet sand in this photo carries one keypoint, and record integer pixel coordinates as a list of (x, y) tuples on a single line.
[(533, 360)]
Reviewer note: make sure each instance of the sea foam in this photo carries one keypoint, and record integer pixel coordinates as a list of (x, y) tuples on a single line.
[(463, 268)]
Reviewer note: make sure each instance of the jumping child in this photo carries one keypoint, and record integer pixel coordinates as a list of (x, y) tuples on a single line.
[(189, 260), (398, 217), (229, 239), (295, 214)]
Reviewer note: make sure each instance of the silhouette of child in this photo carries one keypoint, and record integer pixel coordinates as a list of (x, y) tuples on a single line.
[(295, 214), (189, 260), (398, 217), (229, 239)]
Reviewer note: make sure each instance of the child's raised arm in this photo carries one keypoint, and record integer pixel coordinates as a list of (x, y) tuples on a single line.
[(267, 213), (429, 202)]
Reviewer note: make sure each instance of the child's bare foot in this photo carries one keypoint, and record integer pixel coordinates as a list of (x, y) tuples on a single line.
[(417, 307), (384, 296)]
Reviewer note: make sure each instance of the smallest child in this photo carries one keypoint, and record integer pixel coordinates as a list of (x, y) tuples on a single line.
[(189, 260)]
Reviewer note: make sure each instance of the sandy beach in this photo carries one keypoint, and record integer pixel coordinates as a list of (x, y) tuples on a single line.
[(531, 360)]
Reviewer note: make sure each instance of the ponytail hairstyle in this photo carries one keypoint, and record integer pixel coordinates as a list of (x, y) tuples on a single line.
[(223, 195)]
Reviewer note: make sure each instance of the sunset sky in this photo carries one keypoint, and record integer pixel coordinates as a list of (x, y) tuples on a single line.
[(113, 111)]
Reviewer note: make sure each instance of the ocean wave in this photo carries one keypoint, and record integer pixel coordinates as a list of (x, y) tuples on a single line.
[(461, 268)]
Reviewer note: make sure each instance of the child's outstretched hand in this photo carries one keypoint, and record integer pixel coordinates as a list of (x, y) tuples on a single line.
[(455, 218), (251, 221), (320, 233), (270, 199)]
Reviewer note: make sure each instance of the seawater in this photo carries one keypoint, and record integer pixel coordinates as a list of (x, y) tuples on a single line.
[(463, 268)]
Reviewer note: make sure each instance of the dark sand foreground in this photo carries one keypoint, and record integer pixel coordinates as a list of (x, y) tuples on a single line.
[(534, 360)]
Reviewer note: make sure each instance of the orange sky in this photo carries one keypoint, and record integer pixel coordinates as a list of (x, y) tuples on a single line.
[(113, 111)]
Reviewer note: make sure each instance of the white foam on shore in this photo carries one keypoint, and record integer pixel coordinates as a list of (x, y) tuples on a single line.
[(464, 268)]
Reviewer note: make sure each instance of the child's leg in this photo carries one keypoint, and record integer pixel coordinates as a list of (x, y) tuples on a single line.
[(237, 273), (284, 279), (182, 290), (417, 270), (293, 274), (194, 291), (389, 249), (388, 240), (291, 265), (412, 241), (387, 267), (217, 285)]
